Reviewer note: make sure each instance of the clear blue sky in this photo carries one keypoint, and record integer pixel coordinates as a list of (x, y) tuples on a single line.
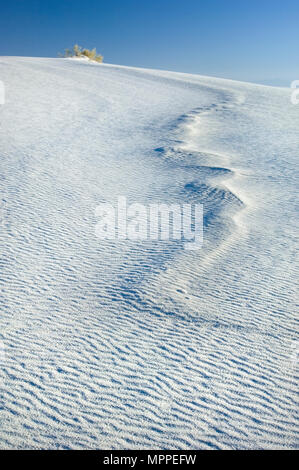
[(242, 39)]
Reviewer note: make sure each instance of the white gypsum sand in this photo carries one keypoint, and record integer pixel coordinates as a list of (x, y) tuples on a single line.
[(123, 344)]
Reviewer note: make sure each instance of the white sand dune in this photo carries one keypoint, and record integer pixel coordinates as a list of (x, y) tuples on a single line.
[(129, 344)]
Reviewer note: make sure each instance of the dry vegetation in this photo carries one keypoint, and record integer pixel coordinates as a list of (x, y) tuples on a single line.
[(78, 51)]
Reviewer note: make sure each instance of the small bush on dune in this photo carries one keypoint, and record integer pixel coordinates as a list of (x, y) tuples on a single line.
[(99, 58), (77, 51), (90, 54)]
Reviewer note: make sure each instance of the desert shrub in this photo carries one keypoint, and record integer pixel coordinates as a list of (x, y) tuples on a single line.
[(85, 52), (90, 54), (99, 58), (77, 51)]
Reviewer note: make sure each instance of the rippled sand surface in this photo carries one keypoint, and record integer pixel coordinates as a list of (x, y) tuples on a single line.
[(123, 344)]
